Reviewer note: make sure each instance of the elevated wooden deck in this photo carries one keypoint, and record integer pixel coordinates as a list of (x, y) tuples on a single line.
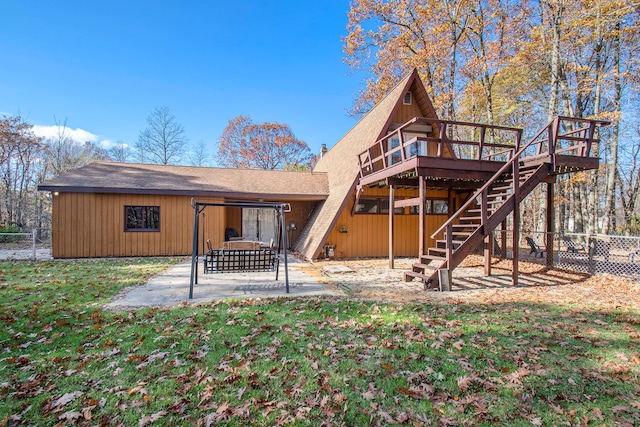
[(452, 154)]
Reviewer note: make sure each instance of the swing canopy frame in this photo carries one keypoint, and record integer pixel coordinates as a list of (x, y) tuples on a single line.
[(199, 205)]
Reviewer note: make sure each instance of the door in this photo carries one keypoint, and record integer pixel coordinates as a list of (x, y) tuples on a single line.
[(259, 224)]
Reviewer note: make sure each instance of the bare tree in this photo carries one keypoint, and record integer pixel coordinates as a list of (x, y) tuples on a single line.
[(64, 154), (163, 140), (19, 149), (199, 154), (120, 152)]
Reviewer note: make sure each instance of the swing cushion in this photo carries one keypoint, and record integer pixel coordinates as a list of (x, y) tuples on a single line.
[(241, 245)]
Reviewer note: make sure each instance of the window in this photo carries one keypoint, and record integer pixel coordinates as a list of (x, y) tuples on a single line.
[(378, 205), (433, 207), (396, 156), (142, 218), (384, 208), (367, 206), (440, 207), (407, 98)]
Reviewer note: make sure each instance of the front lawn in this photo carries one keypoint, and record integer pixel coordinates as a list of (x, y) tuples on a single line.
[(305, 361)]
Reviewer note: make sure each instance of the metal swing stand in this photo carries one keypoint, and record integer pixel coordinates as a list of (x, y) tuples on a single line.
[(280, 208)]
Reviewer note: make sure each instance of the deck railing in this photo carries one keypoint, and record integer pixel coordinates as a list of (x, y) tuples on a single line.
[(567, 136), (454, 139)]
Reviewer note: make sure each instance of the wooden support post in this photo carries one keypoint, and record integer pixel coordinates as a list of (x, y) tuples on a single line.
[(449, 245), (488, 243), (391, 236), (550, 223), (421, 195), (484, 205), (503, 239), (516, 223), (515, 244)]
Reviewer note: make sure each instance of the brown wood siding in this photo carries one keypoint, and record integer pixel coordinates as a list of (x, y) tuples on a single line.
[(92, 225), (234, 219), (407, 112), (368, 234)]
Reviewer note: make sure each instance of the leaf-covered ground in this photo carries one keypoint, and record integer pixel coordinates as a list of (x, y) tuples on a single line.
[(372, 279), (333, 361)]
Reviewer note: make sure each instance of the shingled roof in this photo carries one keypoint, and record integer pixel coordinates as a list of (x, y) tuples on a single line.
[(341, 163), (131, 178)]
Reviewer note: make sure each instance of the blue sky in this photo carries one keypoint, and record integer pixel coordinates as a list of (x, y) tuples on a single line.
[(104, 66)]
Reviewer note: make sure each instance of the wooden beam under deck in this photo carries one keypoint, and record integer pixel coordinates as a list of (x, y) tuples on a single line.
[(459, 165), (415, 201), (456, 173), (435, 168), (577, 162), (449, 184)]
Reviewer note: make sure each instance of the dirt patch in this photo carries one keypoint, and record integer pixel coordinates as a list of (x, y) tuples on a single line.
[(372, 279)]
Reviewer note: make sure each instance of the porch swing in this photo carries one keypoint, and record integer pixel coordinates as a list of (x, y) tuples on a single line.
[(239, 255)]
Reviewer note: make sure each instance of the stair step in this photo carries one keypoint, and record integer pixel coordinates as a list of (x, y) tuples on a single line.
[(477, 211), (432, 258), (454, 226), (500, 194), (437, 250), (410, 275), (453, 242), (470, 218), (419, 267), (462, 233)]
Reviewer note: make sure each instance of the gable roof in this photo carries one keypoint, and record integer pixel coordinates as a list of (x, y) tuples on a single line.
[(132, 178), (341, 162)]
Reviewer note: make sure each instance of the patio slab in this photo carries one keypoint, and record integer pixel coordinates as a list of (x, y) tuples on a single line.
[(172, 287)]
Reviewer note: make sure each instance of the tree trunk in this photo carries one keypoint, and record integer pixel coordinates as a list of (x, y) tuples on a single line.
[(610, 185)]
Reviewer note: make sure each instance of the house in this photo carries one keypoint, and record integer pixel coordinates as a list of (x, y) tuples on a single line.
[(400, 182)]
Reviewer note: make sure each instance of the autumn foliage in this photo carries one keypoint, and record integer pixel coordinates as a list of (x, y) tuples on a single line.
[(244, 144)]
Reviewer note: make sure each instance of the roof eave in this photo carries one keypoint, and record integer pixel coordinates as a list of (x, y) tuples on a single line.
[(191, 193)]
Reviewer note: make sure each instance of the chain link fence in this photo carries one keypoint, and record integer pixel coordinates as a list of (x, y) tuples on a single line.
[(585, 253), (34, 245)]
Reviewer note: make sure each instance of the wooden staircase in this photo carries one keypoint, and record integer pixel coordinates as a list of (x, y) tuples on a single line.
[(530, 165)]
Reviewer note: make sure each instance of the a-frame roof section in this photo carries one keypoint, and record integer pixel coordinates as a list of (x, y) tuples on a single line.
[(341, 161)]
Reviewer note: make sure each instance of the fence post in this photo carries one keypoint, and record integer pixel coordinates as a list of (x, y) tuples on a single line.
[(33, 243)]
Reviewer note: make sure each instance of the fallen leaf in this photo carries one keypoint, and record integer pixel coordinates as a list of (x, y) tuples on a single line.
[(368, 395), (64, 399), (597, 414), (458, 344), (145, 420), (464, 383), (70, 416), (620, 408), (388, 418)]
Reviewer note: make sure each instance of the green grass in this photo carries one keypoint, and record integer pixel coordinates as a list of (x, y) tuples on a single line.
[(64, 359)]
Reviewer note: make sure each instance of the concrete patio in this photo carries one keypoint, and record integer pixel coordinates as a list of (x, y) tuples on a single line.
[(172, 287)]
